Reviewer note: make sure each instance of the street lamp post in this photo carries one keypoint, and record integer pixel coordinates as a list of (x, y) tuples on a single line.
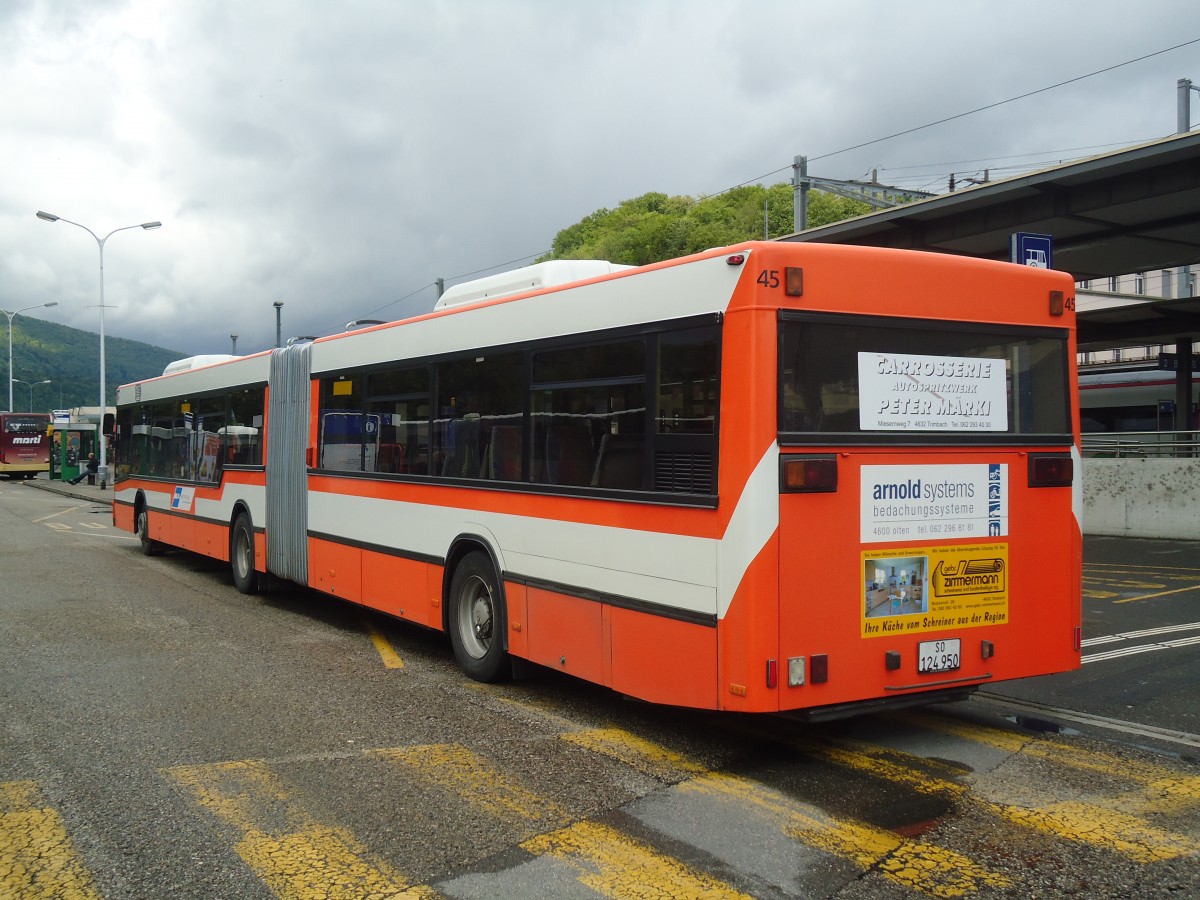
[(29, 384), (278, 304), (102, 467), (12, 315)]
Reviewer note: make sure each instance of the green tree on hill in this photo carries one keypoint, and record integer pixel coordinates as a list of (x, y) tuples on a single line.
[(654, 226)]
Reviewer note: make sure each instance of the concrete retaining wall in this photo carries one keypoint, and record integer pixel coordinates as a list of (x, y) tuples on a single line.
[(1150, 498)]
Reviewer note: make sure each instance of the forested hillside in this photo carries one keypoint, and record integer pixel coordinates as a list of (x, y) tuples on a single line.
[(70, 358)]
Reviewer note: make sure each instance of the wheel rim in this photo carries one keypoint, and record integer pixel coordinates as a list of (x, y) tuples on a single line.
[(143, 526), (475, 617), (241, 554)]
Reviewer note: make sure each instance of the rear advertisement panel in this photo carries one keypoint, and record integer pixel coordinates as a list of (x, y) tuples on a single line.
[(923, 503), (913, 589), (925, 588)]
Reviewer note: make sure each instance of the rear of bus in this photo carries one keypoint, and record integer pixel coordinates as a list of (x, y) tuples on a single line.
[(929, 538), (24, 444)]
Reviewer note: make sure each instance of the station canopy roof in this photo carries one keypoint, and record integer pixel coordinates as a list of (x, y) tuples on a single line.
[(1132, 210)]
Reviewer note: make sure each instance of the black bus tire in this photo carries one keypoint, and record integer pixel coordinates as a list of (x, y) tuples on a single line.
[(142, 527), (241, 555), (476, 619)]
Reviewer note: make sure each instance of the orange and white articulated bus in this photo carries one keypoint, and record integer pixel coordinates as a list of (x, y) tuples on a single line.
[(770, 477)]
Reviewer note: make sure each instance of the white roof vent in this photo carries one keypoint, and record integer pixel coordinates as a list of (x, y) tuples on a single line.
[(529, 278), (196, 362)]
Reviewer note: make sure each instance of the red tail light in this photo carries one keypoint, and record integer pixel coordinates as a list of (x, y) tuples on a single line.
[(1047, 470), (809, 474)]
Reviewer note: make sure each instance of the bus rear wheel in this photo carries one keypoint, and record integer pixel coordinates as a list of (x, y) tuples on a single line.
[(241, 556), (476, 619)]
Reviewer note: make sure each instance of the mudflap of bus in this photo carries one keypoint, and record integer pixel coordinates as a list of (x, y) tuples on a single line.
[(949, 573)]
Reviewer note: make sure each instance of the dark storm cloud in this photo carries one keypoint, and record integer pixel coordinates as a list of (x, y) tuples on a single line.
[(340, 157)]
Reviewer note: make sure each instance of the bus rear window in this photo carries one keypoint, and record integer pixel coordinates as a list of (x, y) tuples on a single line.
[(866, 379)]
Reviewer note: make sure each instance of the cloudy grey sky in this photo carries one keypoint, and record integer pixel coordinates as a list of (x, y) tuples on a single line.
[(340, 156)]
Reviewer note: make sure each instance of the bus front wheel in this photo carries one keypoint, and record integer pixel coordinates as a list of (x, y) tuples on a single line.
[(476, 619), (149, 547), (241, 556)]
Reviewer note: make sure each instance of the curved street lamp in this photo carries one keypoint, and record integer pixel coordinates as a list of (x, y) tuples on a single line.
[(12, 315), (102, 468), (30, 384)]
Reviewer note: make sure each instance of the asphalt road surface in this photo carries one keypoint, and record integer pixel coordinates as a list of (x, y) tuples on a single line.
[(163, 736)]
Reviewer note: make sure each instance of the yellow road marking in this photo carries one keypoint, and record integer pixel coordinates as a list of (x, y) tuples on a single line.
[(1181, 590), (61, 512), (932, 870), (1118, 567), (615, 865), (1099, 595), (881, 762), (637, 753), (1086, 823), (1008, 741), (1162, 791), (1124, 583), (914, 864), (1101, 823), (297, 857), (37, 858), (477, 780), (391, 659), (608, 862)]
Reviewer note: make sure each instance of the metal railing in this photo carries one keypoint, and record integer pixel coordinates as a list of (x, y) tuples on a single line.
[(1142, 444)]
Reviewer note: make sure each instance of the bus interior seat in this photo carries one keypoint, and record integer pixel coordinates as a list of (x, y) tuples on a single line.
[(621, 462), (503, 459), (568, 454), (463, 459), (390, 458)]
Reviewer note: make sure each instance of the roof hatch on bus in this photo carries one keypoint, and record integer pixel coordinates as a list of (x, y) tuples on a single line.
[(528, 278), (196, 362)]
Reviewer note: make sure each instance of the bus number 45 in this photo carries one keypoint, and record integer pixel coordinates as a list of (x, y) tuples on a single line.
[(768, 278)]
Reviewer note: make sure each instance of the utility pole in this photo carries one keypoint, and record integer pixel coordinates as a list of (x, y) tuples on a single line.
[(800, 186), (1183, 344), (1183, 96), (872, 193)]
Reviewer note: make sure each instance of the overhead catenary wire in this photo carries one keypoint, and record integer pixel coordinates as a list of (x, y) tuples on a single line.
[(926, 180), (969, 112), (450, 278)]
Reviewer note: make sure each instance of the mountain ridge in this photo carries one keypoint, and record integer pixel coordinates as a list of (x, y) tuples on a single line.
[(70, 358)]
